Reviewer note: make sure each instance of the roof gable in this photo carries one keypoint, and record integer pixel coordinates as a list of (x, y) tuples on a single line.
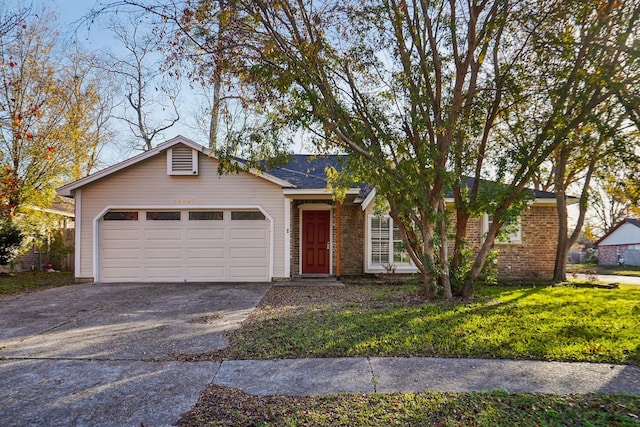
[(68, 189), (625, 232)]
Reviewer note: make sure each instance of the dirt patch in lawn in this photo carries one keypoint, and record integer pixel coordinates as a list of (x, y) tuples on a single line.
[(222, 406)]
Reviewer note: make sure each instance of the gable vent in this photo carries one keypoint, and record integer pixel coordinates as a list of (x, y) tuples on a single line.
[(182, 160)]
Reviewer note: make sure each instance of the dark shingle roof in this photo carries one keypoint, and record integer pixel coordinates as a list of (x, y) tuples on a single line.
[(307, 171), (537, 193), (634, 221)]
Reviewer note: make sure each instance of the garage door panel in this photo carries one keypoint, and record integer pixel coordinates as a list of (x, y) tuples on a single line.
[(206, 253), (121, 254), (156, 251), (206, 234), (121, 235), (163, 273), (247, 253), (247, 233), (164, 233), (163, 253), (121, 273)]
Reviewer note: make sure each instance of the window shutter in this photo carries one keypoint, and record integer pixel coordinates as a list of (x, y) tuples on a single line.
[(182, 161)]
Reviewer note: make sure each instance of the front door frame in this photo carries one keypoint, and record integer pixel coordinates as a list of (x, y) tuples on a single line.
[(315, 207)]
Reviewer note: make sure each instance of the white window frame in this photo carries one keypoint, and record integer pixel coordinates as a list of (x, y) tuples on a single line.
[(371, 266), (513, 238)]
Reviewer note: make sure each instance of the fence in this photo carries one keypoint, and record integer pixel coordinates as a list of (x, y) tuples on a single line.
[(58, 252), (632, 257)]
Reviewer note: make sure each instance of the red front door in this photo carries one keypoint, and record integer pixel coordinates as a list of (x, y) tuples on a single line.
[(315, 242)]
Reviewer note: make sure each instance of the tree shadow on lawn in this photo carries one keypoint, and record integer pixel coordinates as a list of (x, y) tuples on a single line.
[(523, 324)]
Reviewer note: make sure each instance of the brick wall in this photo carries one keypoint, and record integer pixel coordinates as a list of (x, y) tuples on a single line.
[(608, 255), (535, 256), (352, 256)]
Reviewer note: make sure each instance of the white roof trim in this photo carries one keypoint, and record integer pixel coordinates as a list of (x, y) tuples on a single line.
[(271, 178), (313, 191), (538, 201), (367, 200), (67, 190)]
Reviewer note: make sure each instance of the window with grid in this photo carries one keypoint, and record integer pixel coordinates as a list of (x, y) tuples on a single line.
[(510, 233), (386, 244), (379, 240), (400, 255)]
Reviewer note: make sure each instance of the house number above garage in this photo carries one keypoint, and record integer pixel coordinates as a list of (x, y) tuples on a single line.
[(184, 201)]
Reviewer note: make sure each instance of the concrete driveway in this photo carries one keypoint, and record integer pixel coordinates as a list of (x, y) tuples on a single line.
[(103, 354)]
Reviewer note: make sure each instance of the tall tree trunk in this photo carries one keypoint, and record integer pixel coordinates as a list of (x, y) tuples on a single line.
[(564, 240), (428, 260), (560, 267), (562, 248), (214, 123), (480, 260), (462, 221), (444, 256)]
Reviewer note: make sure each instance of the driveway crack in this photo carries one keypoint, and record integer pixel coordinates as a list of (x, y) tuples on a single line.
[(374, 379)]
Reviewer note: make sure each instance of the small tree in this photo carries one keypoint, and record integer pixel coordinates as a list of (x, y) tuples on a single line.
[(10, 241)]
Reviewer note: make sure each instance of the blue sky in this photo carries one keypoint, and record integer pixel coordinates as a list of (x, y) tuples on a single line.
[(68, 16)]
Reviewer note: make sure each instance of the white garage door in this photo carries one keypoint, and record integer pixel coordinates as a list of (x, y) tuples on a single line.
[(198, 245)]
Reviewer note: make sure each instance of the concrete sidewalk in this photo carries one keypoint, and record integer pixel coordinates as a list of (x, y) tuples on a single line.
[(300, 377), (609, 278)]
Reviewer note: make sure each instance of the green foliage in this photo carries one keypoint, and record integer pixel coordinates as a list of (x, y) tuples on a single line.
[(419, 99), (10, 240), (56, 249), (459, 273), (591, 260), (489, 273)]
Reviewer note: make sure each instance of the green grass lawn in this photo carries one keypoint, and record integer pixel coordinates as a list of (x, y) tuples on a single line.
[(528, 322), (523, 322), (33, 281)]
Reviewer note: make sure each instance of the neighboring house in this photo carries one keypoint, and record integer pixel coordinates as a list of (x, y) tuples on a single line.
[(167, 215), (55, 250), (620, 244)]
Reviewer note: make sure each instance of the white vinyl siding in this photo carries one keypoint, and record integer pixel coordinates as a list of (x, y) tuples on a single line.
[(147, 184), (626, 234)]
